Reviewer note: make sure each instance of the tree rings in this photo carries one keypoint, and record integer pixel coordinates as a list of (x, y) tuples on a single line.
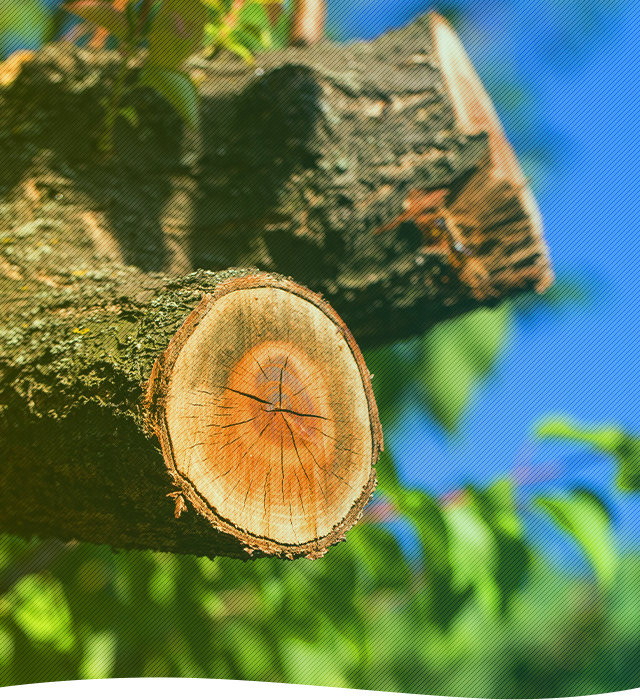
[(264, 409)]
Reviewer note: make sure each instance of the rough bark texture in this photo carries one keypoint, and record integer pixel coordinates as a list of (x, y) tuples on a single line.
[(297, 163), (77, 461)]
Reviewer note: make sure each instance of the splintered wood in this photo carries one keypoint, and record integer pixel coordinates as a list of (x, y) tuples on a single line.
[(269, 424), (489, 217)]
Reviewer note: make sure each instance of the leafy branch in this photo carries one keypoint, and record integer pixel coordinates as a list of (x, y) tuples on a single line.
[(245, 27), (172, 30)]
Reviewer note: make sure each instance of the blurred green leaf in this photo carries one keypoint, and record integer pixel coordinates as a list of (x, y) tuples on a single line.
[(338, 571), (162, 585), (248, 41), (584, 516), (571, 290), (178, 89), (251, 651), (217, 5), (473, 553), (501, 496), (393, 367), (7, 646), (103, 14), (381, 557), (387, 474), (39, 607), (497, 506), (282, 31), (313, 664), (131, 115), (609, 439), (99, 655), (27, 22), (426, 515), (254, 14), (457, 355)]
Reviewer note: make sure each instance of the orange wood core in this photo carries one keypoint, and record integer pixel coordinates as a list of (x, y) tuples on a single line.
[(275, 430), (268, 416)]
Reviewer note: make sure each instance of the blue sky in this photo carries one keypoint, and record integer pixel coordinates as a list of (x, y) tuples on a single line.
[(577, 131)]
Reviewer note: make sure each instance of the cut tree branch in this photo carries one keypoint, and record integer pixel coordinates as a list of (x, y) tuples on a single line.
[(294, 171), (376, 174), (254, 387)]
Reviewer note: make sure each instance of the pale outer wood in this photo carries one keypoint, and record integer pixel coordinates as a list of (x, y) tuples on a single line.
[(274, 474), (486, 197)]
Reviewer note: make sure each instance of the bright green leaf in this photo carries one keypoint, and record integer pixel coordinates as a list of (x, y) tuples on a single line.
[(103, 14), (7, 646), (282, 31), (99, 655), (211, 32), (178, 89), (239, 49), (609, 439), (583, 515), (393, 368), (426, 515), (40, 609), (251, 650), (162, 584), (248, 38), (387, 474), (606, 439), (473, 554), (457, 355), (254, 14), (380, 555), (176, 33)]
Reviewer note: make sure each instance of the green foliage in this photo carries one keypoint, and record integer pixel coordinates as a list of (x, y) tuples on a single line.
[(172, 31), (177, 88), (475, 613), (39, 608), (457, 355), (447, 365), (584, 516), (609, 440), (244, 27)]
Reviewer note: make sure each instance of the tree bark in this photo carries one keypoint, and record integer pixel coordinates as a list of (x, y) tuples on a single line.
[(376, 174), (299, 162), (254, 387)]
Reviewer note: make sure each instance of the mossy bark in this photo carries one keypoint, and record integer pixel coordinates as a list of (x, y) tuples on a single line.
[(300, 159), (77, 462)]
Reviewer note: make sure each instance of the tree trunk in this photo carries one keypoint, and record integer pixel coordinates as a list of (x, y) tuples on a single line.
[(301, 167), (376, 174), (259, 396)]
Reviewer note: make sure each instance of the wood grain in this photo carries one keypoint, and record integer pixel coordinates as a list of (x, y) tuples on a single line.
[(269, 423), (493, 213)]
